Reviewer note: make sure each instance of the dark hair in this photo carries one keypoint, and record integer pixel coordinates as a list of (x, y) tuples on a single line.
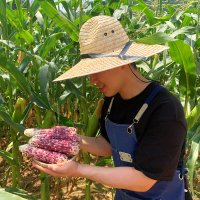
[(133, 65)]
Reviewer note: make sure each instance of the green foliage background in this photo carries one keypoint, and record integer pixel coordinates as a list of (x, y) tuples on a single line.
[(39, 41)]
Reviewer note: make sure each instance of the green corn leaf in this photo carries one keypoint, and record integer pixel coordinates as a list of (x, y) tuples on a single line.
[(69, 10), (8, 43), (18, 109), (194, 116), (70, 89), (187, 20), (34, 8), (118, 12), (178, 51), (60, 20), (7, 156), (24, 63), (11, 45), (171, 9), (196, 136), (43, 78), (40, 100), (48, 119), (52, 2), (17, 75), (157, 38), (164, 18), (15, 194), (64, 121), (104, 161), (5, 116), (2, 101), (19, 12), (13, 19), (50, 42), (16, 19), (93, 121), (64, 96), (194, 153), (3, 19), (192, 131), (142, 7), (26, 112), (182, 30), (26, 35), (197, 44)]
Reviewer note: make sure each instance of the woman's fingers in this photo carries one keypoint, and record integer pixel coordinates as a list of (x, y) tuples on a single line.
[(62, 169), (47, 170)]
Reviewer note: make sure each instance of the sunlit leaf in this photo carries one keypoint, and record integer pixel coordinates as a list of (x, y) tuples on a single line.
[(34, 8), (178, 51), (20, 14), (60, 20), (157, 38), (49, 43), (182, 31), (3, 19), (15, 194), (194, 116), (13, 18), (17, 75), (142, 7), (26, 36)]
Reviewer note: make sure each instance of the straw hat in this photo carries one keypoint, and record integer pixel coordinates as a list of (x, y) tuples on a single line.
[(104, 45)]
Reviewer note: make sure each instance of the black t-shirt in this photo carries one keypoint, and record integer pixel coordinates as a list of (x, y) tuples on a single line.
[(160, 133)]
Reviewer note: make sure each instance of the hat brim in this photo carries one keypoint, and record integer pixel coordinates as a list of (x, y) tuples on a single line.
[(89, 66)]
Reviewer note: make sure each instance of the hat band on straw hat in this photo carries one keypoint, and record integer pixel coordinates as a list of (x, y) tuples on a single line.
[(121, 55)]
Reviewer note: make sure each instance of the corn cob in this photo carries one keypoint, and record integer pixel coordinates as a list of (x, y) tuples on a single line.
[(93, 122), (48, 119), (43, 155), (70, 148), (58, 132), (19, 109)]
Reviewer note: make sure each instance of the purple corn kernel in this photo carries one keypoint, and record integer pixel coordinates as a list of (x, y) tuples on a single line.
[(58, 132), (67, 147), (43, 155)]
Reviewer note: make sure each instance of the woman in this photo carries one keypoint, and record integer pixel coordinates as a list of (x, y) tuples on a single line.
[(142, 125)]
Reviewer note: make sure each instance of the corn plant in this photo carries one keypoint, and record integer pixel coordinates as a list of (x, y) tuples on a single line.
[(39, 41)]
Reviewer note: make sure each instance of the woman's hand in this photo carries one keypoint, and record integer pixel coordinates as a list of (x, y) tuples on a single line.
[(69, 168)]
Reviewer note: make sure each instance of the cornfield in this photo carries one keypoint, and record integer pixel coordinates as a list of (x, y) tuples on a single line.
[(39, 41)]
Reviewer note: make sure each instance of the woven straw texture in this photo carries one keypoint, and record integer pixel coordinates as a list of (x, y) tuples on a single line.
[(105, 35)]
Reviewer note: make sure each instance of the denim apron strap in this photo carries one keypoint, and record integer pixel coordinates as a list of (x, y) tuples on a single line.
[(144, 107)]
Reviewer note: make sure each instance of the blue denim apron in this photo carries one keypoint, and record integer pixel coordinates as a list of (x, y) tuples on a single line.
[(123, 141)]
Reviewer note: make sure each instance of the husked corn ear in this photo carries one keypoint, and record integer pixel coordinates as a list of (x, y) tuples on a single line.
[(58, 132), (42, 154), (67, 147)]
